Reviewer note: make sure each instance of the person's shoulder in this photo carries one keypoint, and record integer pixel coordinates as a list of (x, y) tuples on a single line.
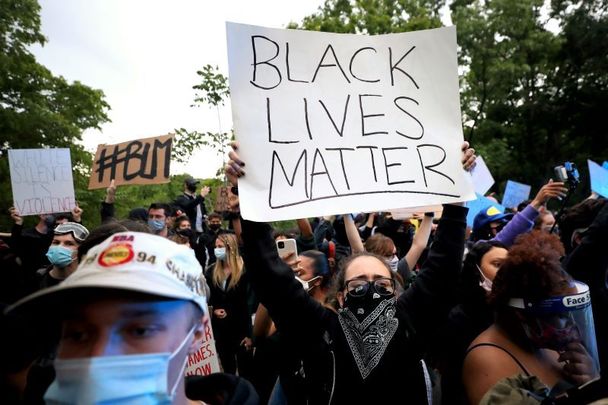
[(230, 388)]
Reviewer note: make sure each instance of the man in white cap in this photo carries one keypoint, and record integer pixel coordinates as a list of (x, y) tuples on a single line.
[(130, 315)]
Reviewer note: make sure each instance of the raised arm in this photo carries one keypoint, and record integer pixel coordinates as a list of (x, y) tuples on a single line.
[(421, 239), (273, 281), (352, 233), (523, 221)]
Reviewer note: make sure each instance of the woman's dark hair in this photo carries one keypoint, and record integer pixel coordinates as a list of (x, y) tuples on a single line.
[(470, 291), (320, 265), (179, 220), (576, 217), (531, 271)]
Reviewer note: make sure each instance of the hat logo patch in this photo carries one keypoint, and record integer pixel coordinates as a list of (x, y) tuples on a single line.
[(116, 254), (492, 211)]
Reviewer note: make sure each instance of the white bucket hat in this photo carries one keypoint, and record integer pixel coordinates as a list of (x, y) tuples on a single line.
[(138, 262)]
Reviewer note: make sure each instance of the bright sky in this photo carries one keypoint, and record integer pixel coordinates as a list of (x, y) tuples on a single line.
[(144, 55)]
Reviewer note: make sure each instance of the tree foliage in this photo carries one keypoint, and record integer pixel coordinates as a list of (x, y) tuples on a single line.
[(37, 108), (531, 96)]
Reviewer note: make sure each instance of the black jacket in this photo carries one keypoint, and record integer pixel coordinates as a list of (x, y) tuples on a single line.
[(420, 310), (188, 204)]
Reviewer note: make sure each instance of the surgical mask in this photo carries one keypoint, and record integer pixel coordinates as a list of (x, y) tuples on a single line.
[(486, 284), (306, 284), (156, 225), (60, 256), (125, 379), (394, 263), (220, 253)]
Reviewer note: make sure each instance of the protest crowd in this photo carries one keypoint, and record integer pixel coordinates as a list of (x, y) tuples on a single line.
[(352, 308), (397, 278)]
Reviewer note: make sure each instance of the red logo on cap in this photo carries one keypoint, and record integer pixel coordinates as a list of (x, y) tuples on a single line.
[(116, 254)]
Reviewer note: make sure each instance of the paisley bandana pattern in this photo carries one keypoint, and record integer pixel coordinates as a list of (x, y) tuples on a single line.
[(369, 339)]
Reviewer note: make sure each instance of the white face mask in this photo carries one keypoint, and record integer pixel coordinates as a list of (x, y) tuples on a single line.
[(394, 263), (306, 284), (125, 379), (486, 284)]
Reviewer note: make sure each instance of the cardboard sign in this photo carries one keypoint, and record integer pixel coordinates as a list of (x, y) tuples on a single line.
[(480, 203), (222, 199), (204, 360), (482, 178), (515, 193), (329, 123), (142, 161), (41, 180), (599, 178)]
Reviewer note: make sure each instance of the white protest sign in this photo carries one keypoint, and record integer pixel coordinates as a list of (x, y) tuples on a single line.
[(482, 178), (329, 123), (406, 213), (41, 180), (204, 360)]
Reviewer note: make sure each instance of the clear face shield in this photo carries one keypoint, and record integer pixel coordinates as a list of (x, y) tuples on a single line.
[(557, 322)]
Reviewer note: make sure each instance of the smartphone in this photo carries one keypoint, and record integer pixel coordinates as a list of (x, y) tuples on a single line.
[(287, 246)]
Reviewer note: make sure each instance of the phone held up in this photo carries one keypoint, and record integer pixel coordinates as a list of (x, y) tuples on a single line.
[(287, 246)]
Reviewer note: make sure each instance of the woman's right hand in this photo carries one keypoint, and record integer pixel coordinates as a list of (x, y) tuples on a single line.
[(220, 313), (580, 366)]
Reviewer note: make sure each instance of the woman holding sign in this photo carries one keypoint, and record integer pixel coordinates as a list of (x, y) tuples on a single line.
[(377, 340)]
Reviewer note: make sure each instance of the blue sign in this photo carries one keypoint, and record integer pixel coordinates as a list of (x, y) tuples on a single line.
[(515, 193), (599, 178), (479, 204)]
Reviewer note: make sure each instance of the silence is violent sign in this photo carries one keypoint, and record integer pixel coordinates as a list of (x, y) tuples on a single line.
[(142, 161), (41, 180), (333, 123)]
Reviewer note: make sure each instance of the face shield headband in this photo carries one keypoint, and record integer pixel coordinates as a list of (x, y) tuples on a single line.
[(556, 322)]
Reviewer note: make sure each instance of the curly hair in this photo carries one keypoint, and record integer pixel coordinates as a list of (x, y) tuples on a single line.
[(532, 270)]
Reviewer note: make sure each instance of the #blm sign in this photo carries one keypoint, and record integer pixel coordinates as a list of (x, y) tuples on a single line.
[(329, 123), (599, 178), (515, 193), (142, 161), (41, 180)]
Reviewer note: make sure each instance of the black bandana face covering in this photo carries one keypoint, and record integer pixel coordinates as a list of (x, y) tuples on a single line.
[(369, 324)]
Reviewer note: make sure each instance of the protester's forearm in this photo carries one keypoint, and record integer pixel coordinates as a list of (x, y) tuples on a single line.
[(352, 233), (420, 241)]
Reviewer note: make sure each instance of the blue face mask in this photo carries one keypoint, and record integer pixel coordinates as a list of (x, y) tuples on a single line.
[(126, 379), (220, 253), (156, 225), (59, 256)]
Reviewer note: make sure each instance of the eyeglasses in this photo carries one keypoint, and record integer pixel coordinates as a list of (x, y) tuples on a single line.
[(78, 231), (358, 287)]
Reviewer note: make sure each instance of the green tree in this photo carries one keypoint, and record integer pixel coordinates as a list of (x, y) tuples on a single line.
[(38, 109), (212, 92), (531, 97)]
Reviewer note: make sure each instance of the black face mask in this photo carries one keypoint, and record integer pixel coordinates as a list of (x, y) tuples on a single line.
[(215, 227), (191, 189), (186, 232), (50, 222), (362, 306), (369, 324)]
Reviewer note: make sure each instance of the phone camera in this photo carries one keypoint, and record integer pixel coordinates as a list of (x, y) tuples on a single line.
[(281, 245)]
